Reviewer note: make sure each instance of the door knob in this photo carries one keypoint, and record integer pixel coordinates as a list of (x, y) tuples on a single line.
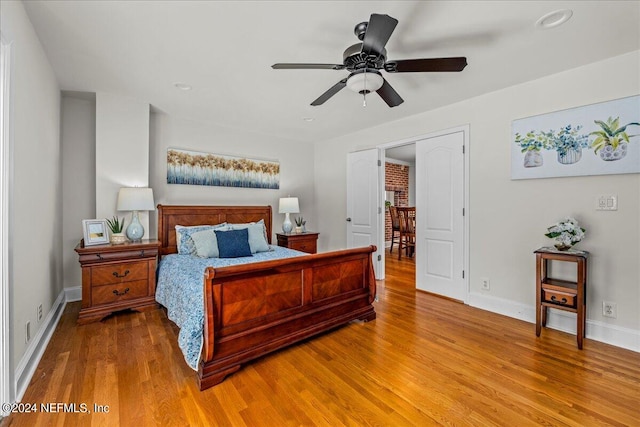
[(348, 219)]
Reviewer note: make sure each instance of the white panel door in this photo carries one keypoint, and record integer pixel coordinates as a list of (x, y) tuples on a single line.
[(439, 215), (363, 202)]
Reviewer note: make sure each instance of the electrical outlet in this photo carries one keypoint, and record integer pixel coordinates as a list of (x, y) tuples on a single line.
[(607, 203), (486, 284), (27, 332), (39, 313), (610, 309)]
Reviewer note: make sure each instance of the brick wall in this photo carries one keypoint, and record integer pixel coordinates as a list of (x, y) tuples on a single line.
[(396, 180)]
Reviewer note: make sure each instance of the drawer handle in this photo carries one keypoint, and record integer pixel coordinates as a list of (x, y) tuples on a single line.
[(553, 298), (115, 273), (119, 294), (142, 253), (99, 256)]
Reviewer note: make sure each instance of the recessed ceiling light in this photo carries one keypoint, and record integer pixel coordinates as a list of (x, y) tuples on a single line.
[(308, 119), (554, 19), (182, 86)]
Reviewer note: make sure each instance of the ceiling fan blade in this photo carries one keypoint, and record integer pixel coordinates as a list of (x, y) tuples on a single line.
[(328, 94), (379, 29), (307, 66), (426, 65), (389, 95)]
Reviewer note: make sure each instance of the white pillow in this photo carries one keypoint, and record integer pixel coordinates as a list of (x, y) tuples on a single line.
[(184, 242), (206, 243)]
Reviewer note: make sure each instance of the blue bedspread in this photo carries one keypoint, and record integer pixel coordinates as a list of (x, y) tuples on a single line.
[(180, 290)]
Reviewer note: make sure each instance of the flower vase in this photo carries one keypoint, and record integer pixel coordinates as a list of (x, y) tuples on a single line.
[(532, 159), (298, 230), (609, 154), (562, 247), (570, 156)]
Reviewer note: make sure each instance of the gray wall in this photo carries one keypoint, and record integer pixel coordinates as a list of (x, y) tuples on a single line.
[(35, 210), (296, 167), (78, 178)]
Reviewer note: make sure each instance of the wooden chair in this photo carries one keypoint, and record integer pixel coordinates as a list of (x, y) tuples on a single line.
[(407, 218), (395, 225)]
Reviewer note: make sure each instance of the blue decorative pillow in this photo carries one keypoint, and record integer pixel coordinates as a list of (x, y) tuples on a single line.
[(257, 235), (233, 243)]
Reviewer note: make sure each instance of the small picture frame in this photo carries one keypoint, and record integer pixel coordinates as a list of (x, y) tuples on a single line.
[(95, 232)]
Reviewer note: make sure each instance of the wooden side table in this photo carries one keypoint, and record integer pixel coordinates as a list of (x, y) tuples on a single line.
[(304, 242), (561, 294), (117, 277)]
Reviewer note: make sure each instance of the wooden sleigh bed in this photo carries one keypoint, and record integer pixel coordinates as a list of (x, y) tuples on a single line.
[(253, 309)]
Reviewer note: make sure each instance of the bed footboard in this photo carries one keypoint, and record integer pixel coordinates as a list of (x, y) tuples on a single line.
[(254, 309)]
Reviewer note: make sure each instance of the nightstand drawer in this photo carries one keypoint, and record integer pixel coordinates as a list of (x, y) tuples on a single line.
[(560, 298), (119, 273), (308, 246), (119, 292), (125, 255)]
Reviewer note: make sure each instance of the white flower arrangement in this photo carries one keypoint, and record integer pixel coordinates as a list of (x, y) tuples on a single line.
[(566, 232)]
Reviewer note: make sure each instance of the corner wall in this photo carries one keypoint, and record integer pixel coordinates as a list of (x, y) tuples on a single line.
[(508, 218)]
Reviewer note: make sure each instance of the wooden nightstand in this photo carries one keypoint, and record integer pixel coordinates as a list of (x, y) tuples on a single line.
[(117, 277), (304, 242), (561, 294)]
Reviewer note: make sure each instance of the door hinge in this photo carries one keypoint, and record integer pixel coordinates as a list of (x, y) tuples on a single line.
[(379, 162), (463, 149), (379, 257), (379, 210), (463, 274), (462, 211)]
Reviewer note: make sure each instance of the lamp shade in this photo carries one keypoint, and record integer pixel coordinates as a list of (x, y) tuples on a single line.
[(289, 205), (365, 82), (135, 199)]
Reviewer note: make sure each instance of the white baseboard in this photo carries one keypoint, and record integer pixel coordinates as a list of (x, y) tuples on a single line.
[(559, 320), (29, 362), (73, 294)]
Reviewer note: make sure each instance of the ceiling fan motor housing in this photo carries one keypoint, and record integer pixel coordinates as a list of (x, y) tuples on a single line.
[(354, 58)]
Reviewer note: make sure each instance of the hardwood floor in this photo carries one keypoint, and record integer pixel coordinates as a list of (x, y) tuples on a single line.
[(423, 361)]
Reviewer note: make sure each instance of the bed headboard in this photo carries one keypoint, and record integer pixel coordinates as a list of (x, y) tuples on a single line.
[(169, 216)]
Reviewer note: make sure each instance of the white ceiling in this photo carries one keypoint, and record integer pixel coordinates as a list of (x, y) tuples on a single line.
[(225, 50)]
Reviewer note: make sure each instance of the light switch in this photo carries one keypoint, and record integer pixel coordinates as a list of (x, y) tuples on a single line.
[(607, 203)]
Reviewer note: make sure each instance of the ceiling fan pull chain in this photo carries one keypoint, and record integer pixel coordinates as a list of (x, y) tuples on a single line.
[(364, 92)]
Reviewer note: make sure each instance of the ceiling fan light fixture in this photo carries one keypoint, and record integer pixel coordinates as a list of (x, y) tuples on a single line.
[(365, 82)]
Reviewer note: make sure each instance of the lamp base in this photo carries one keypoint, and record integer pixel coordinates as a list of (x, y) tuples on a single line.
[(286, 225), (135, 230)]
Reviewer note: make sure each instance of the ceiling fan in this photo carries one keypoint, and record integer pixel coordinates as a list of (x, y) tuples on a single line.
[(365, 60)]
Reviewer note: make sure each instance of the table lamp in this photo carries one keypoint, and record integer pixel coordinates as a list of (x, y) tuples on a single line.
[(135, 199), (288, 205)]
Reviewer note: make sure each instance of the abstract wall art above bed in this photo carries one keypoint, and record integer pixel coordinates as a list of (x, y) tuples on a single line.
[(596, 139), (195, 168)]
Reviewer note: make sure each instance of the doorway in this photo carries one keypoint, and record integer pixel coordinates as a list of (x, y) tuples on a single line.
[(442, 222), (400, 192)]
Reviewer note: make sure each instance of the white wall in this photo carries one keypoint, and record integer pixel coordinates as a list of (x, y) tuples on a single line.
[(122, 152), (78, 178), (296, 167), (35, 216), (508, 218)]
